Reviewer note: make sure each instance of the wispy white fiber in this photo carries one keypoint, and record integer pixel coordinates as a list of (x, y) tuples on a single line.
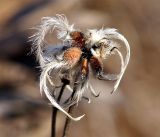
[(121, 70), (116, 35), (93, 91), (43, 87), (95, 36), (47, 25)]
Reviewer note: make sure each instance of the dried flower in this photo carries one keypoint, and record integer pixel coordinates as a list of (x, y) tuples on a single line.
[(78, 53)]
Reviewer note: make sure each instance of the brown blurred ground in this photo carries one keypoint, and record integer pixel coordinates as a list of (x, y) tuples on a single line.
[(134, 111)]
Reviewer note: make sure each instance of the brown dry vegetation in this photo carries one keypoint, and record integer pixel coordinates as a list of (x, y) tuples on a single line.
[(134, 111)]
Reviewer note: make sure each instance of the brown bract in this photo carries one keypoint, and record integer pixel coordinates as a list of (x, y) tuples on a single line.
[(72, 55), (78, 39), (96, 64)]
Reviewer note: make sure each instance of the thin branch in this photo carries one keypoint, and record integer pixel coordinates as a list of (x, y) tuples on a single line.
[(67, 122), (53, 123), (54, 110)]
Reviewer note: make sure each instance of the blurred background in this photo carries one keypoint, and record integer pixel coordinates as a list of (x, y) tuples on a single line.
[(133, 111)]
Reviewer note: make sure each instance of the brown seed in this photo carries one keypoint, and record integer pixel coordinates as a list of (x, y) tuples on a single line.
[(78, 38), (72, 55)]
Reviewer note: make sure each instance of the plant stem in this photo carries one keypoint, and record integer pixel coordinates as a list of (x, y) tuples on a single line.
[(53, 123), (54, 111), (67, 122)]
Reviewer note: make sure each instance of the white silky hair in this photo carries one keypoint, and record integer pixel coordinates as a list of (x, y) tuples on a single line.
[(43, 86), (80, 92), (121, 70), (48, 25), (95, 36)]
